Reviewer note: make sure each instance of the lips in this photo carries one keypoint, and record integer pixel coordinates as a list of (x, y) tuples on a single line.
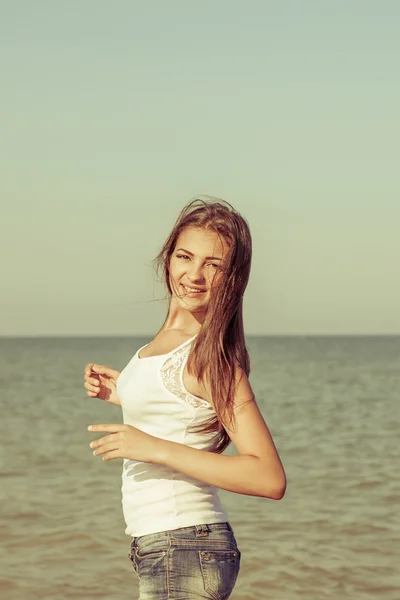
[(192, 290)]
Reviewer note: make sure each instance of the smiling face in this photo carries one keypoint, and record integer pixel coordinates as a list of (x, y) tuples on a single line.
[(195, 266)]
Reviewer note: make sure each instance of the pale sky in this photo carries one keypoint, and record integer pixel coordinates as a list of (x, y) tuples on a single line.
[(115, 114)]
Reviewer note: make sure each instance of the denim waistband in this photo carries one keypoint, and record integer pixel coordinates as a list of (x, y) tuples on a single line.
[(198, 530)]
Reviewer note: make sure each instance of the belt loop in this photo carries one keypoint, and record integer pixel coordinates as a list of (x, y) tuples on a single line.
[(202, 530)]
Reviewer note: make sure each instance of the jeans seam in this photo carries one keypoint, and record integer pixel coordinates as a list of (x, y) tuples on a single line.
[(168, 564)]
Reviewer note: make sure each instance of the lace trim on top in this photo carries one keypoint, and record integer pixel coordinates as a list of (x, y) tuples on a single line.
[(171, 375)]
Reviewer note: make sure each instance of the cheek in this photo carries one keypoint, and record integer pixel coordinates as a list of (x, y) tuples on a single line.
[(176, 270)]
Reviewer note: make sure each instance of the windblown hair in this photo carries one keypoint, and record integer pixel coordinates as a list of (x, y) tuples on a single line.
[(220, 347)]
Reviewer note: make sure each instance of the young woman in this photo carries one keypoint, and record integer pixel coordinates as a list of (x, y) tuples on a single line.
[(185, 396)]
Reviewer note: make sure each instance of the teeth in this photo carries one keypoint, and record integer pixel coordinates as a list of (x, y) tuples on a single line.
[(192, 290)]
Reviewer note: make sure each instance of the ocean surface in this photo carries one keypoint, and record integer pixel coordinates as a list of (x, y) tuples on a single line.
[(333, 408)]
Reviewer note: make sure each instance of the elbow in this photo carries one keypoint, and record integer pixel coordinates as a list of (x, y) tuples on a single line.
[(277, 490)]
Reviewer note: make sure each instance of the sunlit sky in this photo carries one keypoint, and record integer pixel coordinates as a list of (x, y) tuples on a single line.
[(115, 114)]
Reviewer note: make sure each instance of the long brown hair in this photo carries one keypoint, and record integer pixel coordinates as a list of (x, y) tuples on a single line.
[(220, 346)]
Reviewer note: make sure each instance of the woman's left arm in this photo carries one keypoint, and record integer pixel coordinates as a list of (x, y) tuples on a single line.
[(256, 471)]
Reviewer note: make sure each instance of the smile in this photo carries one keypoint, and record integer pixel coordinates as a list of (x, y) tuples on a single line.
[(192, 290)]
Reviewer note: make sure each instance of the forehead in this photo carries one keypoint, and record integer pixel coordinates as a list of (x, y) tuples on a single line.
[(202, 242)]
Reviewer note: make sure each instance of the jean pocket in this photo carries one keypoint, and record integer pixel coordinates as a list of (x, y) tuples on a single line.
[(141, 554), (220, 569), (150, 557)]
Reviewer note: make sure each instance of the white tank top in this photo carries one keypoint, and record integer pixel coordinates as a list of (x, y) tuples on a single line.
[(153, 398)]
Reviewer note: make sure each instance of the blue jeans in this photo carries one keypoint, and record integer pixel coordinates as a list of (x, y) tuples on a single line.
[(189, 563)]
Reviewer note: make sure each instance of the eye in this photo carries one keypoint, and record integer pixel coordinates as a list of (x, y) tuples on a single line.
[(182, 256), (215, 265)]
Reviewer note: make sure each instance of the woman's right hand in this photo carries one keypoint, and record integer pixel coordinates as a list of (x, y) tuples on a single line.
[(101, 382)]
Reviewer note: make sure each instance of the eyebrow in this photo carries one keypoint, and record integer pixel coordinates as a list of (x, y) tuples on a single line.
[(191, 254)]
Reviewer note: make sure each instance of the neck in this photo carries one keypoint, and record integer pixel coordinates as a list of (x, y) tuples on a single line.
[(183, 320)]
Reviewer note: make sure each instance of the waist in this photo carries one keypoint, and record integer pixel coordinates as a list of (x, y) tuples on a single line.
[(152, 504)]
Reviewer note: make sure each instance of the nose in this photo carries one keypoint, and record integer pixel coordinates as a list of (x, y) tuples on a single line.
[(195, 272)]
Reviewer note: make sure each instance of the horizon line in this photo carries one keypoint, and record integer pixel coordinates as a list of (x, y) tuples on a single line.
[(149, 335)]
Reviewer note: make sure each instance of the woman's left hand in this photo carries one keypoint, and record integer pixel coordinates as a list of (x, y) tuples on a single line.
[(125, 441)]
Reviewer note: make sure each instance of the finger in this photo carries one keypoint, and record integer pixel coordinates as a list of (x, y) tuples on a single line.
[(89, 374), (99, 369), (112, 428), (113, 454), (92, 380), (107, 371), (92, 388), (105, 439), (88, 368), (105, 448)]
